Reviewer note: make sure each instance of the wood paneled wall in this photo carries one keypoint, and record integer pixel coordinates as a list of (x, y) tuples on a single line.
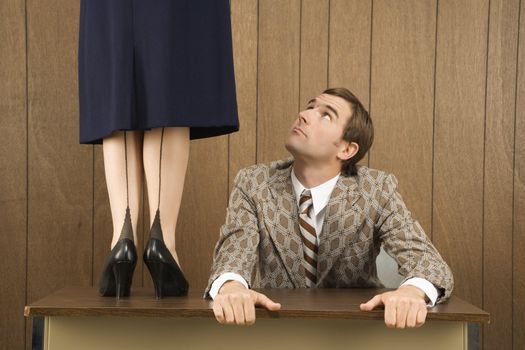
[(444, 82)]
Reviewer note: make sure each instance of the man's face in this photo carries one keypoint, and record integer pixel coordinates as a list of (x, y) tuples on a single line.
[(317, 132)]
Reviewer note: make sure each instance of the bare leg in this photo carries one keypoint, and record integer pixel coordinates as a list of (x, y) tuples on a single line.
[(173, 163), (115, 169)]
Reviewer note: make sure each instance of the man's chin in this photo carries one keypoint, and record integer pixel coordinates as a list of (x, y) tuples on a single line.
[(290, 147), (295, 150)]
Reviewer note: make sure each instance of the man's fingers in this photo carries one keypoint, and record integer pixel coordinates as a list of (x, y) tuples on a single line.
[(403, 308), (249, 311), (227, 308), (401, 313), (390, 315), (372, 303), (263, 300), (412, 316), (218, 312), (421, 317), (238, 309)]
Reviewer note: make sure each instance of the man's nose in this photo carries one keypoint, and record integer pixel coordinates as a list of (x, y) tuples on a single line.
[(304, 118)]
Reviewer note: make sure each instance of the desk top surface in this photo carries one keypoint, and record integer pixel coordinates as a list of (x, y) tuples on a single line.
[(295, 303)]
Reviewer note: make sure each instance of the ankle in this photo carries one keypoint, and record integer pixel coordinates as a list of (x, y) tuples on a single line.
[(173, 252), (114, 241), (116, 238)]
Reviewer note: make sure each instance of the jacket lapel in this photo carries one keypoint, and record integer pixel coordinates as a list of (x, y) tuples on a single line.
[(340, 209), (285, 231)]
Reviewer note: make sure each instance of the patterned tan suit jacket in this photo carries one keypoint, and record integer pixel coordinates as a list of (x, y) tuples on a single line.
[(261, 239)]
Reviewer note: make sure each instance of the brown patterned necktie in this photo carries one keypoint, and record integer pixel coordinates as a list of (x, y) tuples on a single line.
[(309, 237)]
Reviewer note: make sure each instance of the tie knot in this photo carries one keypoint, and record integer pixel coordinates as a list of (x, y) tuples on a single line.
[(305, 195), (305, 202)]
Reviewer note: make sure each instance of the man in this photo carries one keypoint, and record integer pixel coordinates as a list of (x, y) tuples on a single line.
[(319, 220)]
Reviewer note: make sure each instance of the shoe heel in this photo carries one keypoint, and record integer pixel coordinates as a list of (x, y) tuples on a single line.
[(123, 272), (156, 270)]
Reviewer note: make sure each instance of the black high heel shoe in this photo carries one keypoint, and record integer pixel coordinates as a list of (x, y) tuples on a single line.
[(119, 266), (166, 274)]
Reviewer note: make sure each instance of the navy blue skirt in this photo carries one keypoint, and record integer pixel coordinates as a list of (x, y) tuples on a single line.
[(156, 63)]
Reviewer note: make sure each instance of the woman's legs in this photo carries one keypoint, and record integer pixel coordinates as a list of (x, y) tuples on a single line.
[(123, 188), (172, 159)]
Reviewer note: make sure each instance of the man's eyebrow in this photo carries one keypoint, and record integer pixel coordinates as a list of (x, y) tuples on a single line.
[(325, 105)]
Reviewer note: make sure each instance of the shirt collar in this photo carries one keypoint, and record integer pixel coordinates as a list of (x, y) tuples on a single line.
[(320, 194)]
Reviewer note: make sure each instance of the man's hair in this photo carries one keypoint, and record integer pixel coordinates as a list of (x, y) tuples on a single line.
[(359, 129)]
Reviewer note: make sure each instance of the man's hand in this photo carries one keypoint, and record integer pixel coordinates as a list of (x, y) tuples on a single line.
[(404, 307), (235, 304)]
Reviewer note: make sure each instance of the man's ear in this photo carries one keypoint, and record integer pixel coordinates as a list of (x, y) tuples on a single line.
[(347, 150)]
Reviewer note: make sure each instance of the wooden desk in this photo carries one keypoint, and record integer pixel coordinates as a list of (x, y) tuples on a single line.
[(77, 318)]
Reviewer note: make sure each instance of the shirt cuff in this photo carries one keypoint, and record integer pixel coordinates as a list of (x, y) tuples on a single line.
[(225, 277), (427, 287)]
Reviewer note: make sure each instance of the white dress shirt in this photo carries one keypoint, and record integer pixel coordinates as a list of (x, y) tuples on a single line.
[(320, 197)]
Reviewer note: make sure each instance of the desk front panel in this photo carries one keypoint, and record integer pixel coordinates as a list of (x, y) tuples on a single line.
[(131, 333)]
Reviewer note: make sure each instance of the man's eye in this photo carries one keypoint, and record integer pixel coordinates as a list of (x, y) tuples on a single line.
[(309, 107), (326, 115)]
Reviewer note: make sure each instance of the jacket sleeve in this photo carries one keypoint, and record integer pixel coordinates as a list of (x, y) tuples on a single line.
[(404, 240), (237, 248)]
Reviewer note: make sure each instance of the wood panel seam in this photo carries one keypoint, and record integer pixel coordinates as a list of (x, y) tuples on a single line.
[(93, 218), (27, 166), (434, 126), (484, 160), (257, 86), (328, 45), (370, 71), (300, 54), (516, 88)]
